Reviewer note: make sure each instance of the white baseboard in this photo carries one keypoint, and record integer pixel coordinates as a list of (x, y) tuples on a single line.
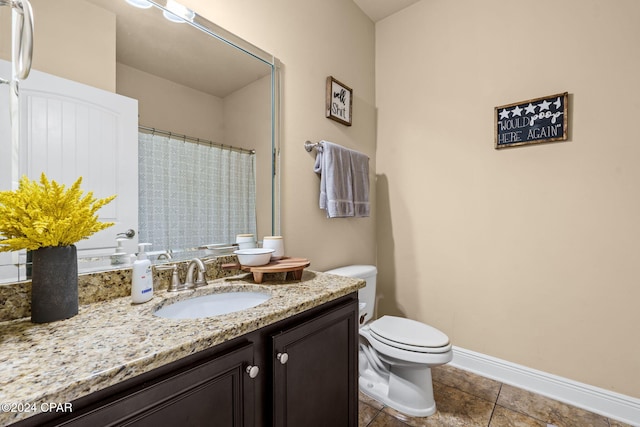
[(600, 401)]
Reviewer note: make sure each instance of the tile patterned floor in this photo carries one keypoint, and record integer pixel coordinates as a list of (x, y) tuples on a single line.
[(466, 399)]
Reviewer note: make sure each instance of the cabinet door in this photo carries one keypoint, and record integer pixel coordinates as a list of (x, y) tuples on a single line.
[(216, 393), (315, 384)]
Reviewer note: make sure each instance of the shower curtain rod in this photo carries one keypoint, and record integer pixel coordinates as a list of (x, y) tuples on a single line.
[(186, 138)]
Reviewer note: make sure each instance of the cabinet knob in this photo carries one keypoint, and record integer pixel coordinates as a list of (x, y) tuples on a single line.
[(282, 357), (253, 371)]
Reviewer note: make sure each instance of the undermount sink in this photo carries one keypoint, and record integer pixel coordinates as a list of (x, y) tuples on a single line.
[(212, 305)]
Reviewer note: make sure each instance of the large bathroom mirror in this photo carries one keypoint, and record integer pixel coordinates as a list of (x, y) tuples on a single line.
[(195, 84)]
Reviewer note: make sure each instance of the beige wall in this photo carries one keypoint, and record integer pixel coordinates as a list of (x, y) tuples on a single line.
[(313, 39), (248, 124), (5, 35), (528, 254), (68, 33), (76, 36), (169, 106)]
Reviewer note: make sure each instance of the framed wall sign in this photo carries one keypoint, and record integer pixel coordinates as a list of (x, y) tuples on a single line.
[(339, 101), (531, 122)]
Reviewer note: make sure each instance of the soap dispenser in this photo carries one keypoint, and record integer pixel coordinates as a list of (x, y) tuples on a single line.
[(120, 257), (142, 283)]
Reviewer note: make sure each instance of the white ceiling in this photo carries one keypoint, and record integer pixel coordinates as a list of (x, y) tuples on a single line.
[(380, 9)]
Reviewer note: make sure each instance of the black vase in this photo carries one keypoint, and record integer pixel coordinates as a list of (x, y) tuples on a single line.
[(54, 284)]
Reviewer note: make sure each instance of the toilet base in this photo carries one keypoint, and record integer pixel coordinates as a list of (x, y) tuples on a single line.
[(408, 390)]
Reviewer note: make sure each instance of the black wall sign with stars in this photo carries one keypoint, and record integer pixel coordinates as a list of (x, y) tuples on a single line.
[(531, 122)]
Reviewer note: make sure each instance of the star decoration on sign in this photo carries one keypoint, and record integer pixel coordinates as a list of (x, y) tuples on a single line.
[(544, 105), (530, 109), (504, 114), (516, 111)]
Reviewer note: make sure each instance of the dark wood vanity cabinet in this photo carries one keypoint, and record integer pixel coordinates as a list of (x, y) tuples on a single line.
[(214, 391), (217, 392), (301, 371), (315, 372)]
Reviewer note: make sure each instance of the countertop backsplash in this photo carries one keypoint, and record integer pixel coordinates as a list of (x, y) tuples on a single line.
[(15, 298)]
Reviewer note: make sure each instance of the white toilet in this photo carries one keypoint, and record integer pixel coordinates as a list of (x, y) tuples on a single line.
[(396, 354)]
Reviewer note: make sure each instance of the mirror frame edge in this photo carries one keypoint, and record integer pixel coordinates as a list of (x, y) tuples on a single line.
[(277, 127)]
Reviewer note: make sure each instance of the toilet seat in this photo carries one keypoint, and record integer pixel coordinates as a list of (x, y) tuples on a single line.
[(407, 334)]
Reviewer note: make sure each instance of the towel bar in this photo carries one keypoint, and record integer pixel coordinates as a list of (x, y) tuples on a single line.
[(308, 145)]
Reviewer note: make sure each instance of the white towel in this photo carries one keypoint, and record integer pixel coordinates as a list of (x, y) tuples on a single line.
[(344, 180)]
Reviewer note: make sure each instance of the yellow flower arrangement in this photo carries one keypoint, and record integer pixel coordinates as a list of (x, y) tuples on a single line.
[(43, 214)]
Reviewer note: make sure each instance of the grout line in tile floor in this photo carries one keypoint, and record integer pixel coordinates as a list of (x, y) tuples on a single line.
[(467, 399), (493, 410)]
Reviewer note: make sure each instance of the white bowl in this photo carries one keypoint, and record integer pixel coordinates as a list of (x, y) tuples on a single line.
[(254, 256)]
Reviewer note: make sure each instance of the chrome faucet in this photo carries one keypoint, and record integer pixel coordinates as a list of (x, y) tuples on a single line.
[(200, 280)]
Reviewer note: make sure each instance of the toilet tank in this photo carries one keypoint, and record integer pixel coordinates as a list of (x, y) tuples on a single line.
[(366, 295)]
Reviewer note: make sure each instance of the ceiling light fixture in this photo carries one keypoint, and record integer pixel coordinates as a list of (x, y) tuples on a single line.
[(178, 13), (142, 4)]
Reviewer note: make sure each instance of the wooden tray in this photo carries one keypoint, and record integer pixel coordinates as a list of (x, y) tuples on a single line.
[(292, 266)]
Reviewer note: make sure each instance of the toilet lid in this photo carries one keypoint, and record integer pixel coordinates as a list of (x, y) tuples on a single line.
[(408, 332)]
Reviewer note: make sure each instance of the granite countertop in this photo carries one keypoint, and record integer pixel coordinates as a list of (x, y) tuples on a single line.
[(111, 341)]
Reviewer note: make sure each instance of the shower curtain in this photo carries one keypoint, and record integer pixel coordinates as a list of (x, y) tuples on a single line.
[(192, 194)]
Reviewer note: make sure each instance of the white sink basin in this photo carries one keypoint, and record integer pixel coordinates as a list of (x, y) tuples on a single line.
[(212, 305)]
